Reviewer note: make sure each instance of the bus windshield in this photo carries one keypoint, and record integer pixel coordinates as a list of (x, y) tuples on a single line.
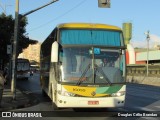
[(23, 65), (91, 65)]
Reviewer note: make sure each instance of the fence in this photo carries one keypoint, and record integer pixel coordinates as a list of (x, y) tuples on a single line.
[(141, 70)]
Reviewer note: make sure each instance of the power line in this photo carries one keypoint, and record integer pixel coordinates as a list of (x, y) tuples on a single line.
[(79, 4), (4, 6)]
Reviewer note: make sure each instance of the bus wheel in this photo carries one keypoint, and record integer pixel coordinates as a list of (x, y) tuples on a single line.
[(55, 106), (44, 93)]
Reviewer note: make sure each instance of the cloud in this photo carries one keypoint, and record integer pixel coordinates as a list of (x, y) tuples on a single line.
[(139, 44), (154, 40)]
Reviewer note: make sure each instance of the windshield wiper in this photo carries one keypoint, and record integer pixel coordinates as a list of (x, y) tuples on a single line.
[(83, 74), (98, 69), (103, 74)]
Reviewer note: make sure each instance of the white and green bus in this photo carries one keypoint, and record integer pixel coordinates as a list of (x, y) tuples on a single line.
[(83, 66)]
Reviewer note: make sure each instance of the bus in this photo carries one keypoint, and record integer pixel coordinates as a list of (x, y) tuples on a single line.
[(83, 66), (23, 68)]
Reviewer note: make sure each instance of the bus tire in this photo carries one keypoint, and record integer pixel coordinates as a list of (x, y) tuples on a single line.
[(26, 78), (55, 106), (44, 94)]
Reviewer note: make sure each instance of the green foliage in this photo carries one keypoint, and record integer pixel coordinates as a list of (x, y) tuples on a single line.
[(7, 32)]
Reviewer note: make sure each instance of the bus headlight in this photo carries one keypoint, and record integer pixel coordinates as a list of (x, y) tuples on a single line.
[(65, 93), (121, 93)]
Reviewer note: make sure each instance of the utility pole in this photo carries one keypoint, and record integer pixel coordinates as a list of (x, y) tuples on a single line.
[(147, 38), (15, 43), (14, 54)]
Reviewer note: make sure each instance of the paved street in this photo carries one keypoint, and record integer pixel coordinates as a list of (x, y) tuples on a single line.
[(138, 98), (84, 50)]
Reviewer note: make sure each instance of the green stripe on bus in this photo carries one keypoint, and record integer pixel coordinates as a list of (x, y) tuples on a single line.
[(108, 90), (101, 90), (114, 89)]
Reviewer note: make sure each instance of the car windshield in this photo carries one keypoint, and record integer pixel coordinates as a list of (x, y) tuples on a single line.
[(91, 65)]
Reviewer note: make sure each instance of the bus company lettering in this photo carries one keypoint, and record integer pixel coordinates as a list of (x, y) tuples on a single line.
[(79, 89)]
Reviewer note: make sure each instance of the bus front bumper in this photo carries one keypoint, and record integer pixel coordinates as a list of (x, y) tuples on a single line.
[(82, 102)]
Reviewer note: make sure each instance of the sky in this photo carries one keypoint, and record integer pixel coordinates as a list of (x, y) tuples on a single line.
[(143, 14)]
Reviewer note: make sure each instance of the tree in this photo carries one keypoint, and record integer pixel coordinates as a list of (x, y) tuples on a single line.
[(6, 36)]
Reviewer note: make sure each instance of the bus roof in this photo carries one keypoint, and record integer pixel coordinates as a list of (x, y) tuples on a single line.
[(22, 60), (88, 26)]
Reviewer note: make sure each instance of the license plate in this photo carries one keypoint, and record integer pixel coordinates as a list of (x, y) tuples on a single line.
[(93, 102)]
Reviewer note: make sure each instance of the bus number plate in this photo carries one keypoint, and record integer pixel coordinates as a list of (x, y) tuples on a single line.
[(93, 102)]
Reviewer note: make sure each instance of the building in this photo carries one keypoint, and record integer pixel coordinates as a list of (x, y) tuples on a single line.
[(153, 57), (139, 56), (32, 53)]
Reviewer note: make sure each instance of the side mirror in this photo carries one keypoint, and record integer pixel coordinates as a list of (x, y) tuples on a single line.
[(54, 52), (122, 52)]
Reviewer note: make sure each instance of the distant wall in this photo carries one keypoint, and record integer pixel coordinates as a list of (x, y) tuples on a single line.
[(141, 70), (138, 74), (155, 81)]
